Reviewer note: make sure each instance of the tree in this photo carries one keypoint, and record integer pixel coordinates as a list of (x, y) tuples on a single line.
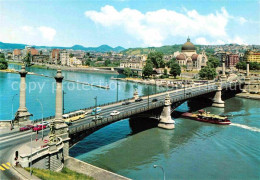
[(173, 60), (175, 69), (3, 63), (71, 55), (87, 62), (148, 68), (27, 59), (2, 55), (107, 62), (213, 62), (165, 72), (157, 59), (241, 65), (127, 71), (99, 58), (207, 72)]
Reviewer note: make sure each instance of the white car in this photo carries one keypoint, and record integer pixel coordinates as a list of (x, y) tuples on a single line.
[(114, 113), (45, 123)]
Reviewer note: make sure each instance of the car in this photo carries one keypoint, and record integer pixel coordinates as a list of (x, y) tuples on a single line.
[(87, 112), (38, 127), (114, 113), (25, 128), (154, 100), (126, 103), (45, 123), (68, 123), (97, 118), (138, 100)]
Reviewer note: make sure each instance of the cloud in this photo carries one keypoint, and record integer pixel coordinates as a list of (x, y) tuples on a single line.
[(41, 35), (236, 39), (47, 32), (154, 27)]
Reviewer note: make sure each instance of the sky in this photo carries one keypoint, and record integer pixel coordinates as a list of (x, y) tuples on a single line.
[(129, 23)]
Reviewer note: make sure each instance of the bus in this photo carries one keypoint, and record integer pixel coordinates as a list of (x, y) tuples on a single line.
[(98, 109), (74, 116)]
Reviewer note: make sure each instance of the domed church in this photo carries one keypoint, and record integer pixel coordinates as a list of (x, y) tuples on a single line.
[(189, 57)]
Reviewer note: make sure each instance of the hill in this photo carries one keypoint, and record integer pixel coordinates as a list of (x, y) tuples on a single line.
[(164, 49), (102, 48)]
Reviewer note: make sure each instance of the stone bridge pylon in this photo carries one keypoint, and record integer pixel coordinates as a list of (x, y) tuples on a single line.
[(166, 121), (22, 113)]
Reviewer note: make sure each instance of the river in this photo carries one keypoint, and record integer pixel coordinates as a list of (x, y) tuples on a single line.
[(193, 150)]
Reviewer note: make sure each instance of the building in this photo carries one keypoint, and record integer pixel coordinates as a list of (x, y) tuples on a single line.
[(55, 56), (64, 57), (17, 55), (73, 61), (134, 62), (188, 57), (253, 56), (40, 58), (231, 60)]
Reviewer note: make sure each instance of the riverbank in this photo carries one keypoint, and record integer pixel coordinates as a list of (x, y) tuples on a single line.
[(248, 96), (65, 173), (73, 69), (174, 83), (9, 71)]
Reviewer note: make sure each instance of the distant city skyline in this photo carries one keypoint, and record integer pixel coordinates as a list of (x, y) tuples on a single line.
[(129, 23)]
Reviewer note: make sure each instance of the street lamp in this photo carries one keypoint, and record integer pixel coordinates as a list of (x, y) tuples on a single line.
[(95, 107), (12, 111), (42, 116), (117, 89), (155, 166), (31, 156), (148, 96), (13, 106), (63, 109)]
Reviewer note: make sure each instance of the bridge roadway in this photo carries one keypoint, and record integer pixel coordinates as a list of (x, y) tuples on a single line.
[(10, 141)]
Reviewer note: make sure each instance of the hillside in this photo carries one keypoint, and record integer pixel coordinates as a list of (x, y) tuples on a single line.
[(163, 49), (102, 48)]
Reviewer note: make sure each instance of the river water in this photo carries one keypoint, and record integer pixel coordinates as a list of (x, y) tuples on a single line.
[(193, 150)]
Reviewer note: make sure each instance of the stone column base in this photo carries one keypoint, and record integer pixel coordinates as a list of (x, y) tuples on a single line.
[(166, 125), (21, 116), (219, 104)]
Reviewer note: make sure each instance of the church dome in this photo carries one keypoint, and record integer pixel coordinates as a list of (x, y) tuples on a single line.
[(180, 57), (194, 57), (188, 46)]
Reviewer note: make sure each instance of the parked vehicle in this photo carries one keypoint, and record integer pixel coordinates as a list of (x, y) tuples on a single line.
[(74, 116), (126, 103), (38, 127), (97, 118), (25, 128), (95, 111), (45, 123), (87, 112), (114, 113), (154, 100), (68, 123), (138, 100)]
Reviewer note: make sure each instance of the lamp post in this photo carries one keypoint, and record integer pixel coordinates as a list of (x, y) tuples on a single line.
[(117, 89), (42, 116), (148, 96), (63, 109), (184, 88), (31, 156), (95, 107), (13, 106), (155, 166)]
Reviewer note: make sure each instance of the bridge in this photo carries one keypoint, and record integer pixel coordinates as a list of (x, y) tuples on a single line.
[(61, 136)]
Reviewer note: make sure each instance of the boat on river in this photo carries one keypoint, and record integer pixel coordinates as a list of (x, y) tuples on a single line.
[(204, 116)]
